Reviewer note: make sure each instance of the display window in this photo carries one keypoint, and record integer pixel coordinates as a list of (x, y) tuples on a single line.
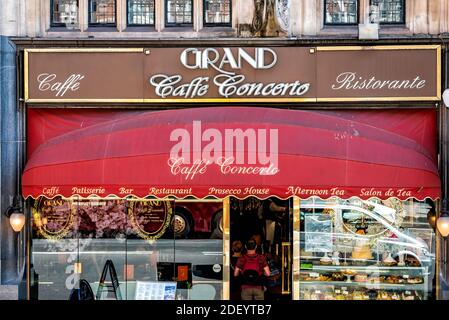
[(365, 250), (133, 249)]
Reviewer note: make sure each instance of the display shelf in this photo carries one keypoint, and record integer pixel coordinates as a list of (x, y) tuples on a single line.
[(411, 271), (376, 286)]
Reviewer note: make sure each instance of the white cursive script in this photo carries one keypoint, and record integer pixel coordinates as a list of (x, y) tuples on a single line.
[(47, 81)]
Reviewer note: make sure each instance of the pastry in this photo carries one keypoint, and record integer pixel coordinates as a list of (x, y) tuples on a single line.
[(415, 280), (338, 277), (324, 278), (389, 261), (361, 278)]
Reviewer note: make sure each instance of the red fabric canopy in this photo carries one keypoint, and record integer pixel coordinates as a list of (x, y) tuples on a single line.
[(320, 153)]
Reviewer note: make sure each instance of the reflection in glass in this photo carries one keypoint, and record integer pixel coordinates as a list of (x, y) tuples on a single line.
[(140, 12), (178, 12), (64, 12), (126, 249), (102, 12), (217, 12), (389, 11)]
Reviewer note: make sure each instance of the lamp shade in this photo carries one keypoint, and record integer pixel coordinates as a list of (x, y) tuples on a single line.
[(443, 225), (17, 221)]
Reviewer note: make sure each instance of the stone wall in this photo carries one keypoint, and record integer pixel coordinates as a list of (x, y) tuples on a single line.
[(31, 18)]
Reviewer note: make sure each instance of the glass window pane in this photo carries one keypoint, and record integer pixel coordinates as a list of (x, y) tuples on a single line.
[(140, 12), (64, 12), (388, 11), (178, 12), (341, 11), (217, 11), (102, 12)]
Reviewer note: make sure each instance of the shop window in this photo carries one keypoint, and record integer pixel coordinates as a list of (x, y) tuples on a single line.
[(140, 13), (341, 12), (64, 13), (133, 249), (178, 13), (217, 12), (102, 13), (388, 11)]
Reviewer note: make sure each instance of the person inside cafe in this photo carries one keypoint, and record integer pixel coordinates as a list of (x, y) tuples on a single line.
[(252, 267)]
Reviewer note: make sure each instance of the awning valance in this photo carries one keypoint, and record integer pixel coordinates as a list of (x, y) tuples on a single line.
[(238, 151)]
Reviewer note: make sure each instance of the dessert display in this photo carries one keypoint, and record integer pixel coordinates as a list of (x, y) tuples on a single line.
[(358, 294)]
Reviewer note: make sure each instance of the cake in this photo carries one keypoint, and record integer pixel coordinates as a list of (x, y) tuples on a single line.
[(362, 252), (361, 278)]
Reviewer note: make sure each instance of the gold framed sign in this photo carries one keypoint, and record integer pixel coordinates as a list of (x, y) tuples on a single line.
[(53, 218), (234, 74), (150, 218)]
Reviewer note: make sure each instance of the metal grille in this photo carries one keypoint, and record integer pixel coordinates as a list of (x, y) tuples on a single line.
[(140, 12), (178, 12), (390, 11), (64, 12), (102, 12), (217, 12), (341, 11)]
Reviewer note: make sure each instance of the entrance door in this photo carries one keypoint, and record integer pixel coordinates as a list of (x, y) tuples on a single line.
[(268, 222)]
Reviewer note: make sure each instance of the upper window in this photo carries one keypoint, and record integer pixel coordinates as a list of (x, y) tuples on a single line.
[(341, 12), (178, 13), (64, 12), (102, 12), (140, 13), (217, 12), (388, 11)]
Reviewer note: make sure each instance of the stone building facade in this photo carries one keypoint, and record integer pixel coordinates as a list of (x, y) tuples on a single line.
[(30, 23)]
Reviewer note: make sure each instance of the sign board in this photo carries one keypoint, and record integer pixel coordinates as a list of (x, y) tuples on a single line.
[(234, 74)]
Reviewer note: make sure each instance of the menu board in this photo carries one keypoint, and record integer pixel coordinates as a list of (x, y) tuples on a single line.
[(318, 233), (152, 290)]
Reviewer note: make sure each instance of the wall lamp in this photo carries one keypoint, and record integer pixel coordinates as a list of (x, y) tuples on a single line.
[(443, 220), (16, 215)]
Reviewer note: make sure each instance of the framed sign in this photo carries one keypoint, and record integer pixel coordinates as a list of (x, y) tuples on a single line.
[(150, 218)]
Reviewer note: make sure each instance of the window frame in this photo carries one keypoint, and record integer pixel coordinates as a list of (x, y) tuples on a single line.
[(404, 11), (96, 24), (128, 24), (219, 24), (60, 24), (173, 24), (333, 24)]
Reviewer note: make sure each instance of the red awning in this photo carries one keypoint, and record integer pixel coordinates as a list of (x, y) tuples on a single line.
[(319, 153)]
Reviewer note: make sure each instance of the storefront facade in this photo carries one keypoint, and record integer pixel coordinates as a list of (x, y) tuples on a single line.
[(159, 161)]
